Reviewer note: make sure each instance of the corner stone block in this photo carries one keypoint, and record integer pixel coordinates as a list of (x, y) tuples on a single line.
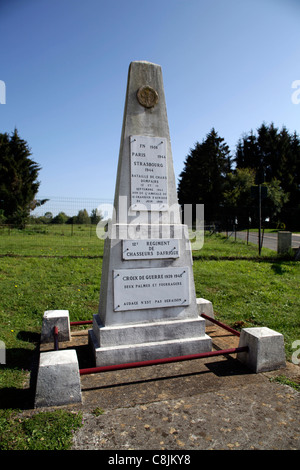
[(52, 318), (206, 307), (58, 381), (284, 242), (266, 349)]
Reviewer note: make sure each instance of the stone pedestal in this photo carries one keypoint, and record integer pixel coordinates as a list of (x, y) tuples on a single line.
[(147, 307), (266, 349), (205, 306), (284, 242), (52, 318), (58, 381)]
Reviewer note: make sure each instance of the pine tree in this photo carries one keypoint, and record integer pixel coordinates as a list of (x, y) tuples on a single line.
[(203, 177), (18, 179), (275, 157)]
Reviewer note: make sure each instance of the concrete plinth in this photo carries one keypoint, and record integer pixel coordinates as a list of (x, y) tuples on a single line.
[(58, 381), (266, 349), (284, 242), (106, 356), (142, 342), (52, 318), (206, 307)]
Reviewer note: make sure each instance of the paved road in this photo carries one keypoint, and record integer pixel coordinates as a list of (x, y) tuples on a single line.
[(269, 239)]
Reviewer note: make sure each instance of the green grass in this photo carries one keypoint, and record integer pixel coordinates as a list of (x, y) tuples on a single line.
[(42, 431), (253, 293), (45, 271), (217, 246), (30, 286), (282, 379), (51, 240)]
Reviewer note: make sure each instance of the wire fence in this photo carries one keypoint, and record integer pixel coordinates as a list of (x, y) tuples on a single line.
[(63, 226), (68, 227), (55, 205)]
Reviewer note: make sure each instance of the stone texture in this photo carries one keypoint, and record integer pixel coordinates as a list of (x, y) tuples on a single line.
[(52, 318), (58, 381), (266, 349), (136, 333), (284, 242), (206, 307), (136, 352)]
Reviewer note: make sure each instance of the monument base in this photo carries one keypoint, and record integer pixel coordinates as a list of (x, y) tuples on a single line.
[(147, 341)]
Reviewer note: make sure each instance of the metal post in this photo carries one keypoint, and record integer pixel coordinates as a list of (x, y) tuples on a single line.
[(55, 335), (222, 325)]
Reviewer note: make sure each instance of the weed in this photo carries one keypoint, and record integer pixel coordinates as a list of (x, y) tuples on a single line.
[(51, 430), (98, 411), (282, 379)]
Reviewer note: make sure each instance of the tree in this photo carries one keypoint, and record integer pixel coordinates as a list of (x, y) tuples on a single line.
[(241, 203), (237, 197), (96, 216), (18, 179), (82, 217), (275, 157), (275, 200), (48, 216), (60, 218), (203, 178)]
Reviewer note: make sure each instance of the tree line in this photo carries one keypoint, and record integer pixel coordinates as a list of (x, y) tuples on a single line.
[(19, 186), (82, 218), (228, 184)]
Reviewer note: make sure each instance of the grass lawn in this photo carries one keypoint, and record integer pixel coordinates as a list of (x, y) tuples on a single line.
[(53, 268), (45, 271)]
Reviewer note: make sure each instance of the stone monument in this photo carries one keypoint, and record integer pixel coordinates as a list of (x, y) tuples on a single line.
[(147, 307)]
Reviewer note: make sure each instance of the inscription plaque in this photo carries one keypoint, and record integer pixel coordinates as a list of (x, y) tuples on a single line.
[(142, 288), (150, 249), (149, 188)]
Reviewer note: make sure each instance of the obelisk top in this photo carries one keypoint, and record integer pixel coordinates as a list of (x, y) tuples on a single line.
[(144, 62), (145, 115)]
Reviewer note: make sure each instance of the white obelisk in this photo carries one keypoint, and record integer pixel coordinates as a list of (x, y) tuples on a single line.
[(147, 307)]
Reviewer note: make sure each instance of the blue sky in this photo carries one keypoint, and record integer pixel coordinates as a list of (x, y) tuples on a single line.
[(227, 64)]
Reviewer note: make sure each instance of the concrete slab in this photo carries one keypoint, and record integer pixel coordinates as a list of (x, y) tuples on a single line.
[(216, 403)]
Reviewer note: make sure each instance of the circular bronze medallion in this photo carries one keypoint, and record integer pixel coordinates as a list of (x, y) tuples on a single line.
[(147, 96)]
